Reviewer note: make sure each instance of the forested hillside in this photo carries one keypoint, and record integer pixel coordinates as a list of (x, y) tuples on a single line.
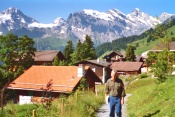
[(121, 43)]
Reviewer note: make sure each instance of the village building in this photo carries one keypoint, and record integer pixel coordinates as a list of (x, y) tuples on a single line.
[(46, 57), (101, 68), (113, 56), (129, 68), (60, 79), (159, 48)]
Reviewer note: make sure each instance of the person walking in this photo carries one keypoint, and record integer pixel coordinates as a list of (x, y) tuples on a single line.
[(115, 89)]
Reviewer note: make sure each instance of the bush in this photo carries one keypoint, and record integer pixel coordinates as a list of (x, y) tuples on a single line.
[(143, 76)]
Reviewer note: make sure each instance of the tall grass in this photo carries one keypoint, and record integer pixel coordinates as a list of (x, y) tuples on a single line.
[(84, 104), (150, 99)]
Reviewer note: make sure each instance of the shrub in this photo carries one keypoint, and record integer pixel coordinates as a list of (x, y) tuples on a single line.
[(143, 76)]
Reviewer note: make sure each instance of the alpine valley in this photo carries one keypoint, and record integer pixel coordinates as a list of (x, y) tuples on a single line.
[(100, 26)]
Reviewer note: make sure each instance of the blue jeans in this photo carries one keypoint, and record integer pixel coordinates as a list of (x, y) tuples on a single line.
[(115, 106)]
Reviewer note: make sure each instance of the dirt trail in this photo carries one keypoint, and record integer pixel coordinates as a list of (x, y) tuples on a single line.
[(104, 109)]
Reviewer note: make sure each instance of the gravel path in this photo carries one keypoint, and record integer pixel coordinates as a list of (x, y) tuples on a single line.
[(104, 110)]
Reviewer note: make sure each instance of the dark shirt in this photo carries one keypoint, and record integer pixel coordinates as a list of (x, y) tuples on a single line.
[(115, 88)]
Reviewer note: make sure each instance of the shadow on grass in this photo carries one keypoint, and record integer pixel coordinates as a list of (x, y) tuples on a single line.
[(151, 114)]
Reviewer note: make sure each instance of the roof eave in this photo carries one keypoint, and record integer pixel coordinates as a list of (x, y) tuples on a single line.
[(18, 88)]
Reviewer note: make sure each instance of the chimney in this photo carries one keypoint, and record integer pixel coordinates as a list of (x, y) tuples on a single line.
[(98, 60), (80, 70)]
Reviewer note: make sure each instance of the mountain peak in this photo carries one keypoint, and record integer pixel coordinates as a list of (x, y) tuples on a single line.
[(136, 10), (164, 16), (58, 20), (137, 13), (11, 10)]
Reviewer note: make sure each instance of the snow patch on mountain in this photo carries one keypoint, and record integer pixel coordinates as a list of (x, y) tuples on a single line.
[(97, 14), (4, 17), (41, 25)]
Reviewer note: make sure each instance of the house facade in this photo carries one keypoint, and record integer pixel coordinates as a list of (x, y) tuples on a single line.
[(54, 79), (101, 68), (159, 48), (46, 57), (131, 68), (113, 56)]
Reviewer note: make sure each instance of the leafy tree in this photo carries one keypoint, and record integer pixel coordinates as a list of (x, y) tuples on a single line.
[(148, 39), (25, 51), (165, 59), (63, 63), (56, 61), (162, 67), (172, 33), (83, 84), (130, 55), (137, 44), (68, 50), (13, 48)]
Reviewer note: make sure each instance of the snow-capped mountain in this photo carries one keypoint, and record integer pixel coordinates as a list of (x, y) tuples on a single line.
[(13, 18), (142, 20), (100, 26), (164, 16)]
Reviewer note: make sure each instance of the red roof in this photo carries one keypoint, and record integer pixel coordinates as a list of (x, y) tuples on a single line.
[(63, 78)]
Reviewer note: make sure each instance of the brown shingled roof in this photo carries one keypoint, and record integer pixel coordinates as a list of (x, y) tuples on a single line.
[(48, 55), (126, 66), (160, 46), (114, 53), (96, 62)]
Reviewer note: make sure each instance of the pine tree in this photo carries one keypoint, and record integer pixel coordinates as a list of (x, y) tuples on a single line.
[(88, 49), (77, 54), (130, 55), (68, 50)]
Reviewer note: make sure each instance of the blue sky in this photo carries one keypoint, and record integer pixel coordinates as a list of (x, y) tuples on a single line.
[(45, 11)]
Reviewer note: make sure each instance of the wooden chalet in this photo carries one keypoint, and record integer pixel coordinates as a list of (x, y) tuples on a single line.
[(113, 56), (60, 79), (159, 48), (131, 68), (100, 67), (46, 57)]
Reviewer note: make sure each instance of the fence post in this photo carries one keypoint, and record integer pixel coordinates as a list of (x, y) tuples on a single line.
[(34, 113), (62, 106), (77, 96), (96, 92)]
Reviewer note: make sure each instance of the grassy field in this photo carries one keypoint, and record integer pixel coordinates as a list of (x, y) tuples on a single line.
[(144, 47), (81, 104), (150, 99)]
